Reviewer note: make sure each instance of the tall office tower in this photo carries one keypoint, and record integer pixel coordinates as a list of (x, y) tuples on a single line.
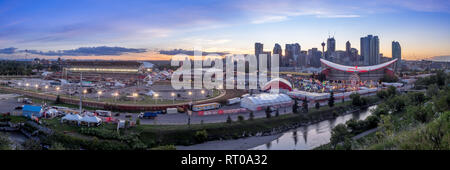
[(348, 48), (291, 54), (302, 59), (277, 50), (397, 53), (331, 46), (354, 56), (370, 50), (259, 47), (314, 55)]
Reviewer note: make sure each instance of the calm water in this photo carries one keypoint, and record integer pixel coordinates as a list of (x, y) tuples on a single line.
[(309, 137)]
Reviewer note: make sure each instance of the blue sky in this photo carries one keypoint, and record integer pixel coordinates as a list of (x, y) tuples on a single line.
[(421, 26)]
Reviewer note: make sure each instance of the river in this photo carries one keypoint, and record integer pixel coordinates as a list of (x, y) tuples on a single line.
[(312, 136), (302, 138)]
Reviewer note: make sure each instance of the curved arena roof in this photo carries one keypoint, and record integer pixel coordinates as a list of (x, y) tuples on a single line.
[(356, 68)]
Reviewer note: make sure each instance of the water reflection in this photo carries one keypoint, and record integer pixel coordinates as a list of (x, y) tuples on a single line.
[(314, 135)]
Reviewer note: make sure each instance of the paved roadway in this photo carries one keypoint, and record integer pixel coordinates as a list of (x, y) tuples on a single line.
[(8, 102)]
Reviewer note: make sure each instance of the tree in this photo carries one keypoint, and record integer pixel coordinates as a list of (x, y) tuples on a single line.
[(385, 126), (138, 121), (277, 113), (4, 142), (356, 99), (338, 134), (58, 100), (305, 105), (331, 99), (57, 146), (295, 106), (432, 90), (251, 116), (382, 94), (317, 105), (268, 112), (201, 136), (32, 144), (240, 118), (229, 120), (392, 91)]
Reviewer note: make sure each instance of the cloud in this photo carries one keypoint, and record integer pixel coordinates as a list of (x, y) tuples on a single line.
[(188, 52), (338, 16), (89, 51), (10, 50), (269, 19)]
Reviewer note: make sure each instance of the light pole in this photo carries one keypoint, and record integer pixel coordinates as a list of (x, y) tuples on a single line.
[(57, 90), (115, 96), (37, 86), (99, 93), (173, 97), (190, 111), (155, 96), (84, 93), (135, 95)]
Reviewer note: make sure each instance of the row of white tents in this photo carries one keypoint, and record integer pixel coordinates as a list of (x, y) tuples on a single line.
[(81, 119)]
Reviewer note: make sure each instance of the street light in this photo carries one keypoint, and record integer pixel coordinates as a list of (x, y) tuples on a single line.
[(99, 94), (115, 96), (37, 86), (156, 97), (84, 93), (57, 90), (135, 95), (190, 112), (173, 97)]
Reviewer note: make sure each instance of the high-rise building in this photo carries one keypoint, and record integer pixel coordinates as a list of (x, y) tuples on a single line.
[(348, 47), (397, 53), (277, 50), (314, 56), (370, 50), (259, 47), (291, 54), (331, 46)]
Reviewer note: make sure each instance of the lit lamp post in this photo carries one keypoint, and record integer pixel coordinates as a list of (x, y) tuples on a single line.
[(173, 97), (156, 97), (190, 111), (99, 94), (27, 85), (57, 90), (135, 95), (37, 86), (84, 93), (115, 96)]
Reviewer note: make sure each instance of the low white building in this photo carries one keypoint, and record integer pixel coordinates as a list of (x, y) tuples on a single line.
[(261, 101)]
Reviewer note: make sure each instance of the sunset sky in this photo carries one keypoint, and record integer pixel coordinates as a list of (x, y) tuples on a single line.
[(421, 26)]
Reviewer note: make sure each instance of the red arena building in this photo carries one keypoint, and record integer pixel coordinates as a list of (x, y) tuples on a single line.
[(335, 71)]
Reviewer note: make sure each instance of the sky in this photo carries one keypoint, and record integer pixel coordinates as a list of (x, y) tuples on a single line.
[(139, 29)]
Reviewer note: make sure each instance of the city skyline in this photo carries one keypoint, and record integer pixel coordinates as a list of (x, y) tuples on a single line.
[(220, 26)]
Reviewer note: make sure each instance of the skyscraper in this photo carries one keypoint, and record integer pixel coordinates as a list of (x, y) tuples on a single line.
[(259, 47), (291, 54), (331, 46), (314, 56), (277, 50), (370, 50), (348, 47), (397, 53)]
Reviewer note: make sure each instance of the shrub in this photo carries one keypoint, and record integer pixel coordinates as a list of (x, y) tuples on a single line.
[(240, 118), (229, 121), (251, 116), (201, 136)]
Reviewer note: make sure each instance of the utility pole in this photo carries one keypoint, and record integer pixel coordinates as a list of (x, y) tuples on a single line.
[(81, 87)]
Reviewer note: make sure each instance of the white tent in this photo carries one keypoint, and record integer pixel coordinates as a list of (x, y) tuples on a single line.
[(91, 119), (260, 101), (71, 117)]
